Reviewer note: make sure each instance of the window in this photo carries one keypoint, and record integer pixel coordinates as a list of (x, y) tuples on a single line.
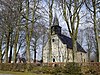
[(53, 40), (53, 59), (84, 60)]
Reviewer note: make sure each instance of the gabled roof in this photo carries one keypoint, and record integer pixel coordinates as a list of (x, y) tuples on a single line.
[(68, 41)]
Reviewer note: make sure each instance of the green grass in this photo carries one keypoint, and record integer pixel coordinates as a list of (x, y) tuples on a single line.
[(20, 73)]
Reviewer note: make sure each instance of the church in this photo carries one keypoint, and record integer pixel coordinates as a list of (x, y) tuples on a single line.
[(61, 47)]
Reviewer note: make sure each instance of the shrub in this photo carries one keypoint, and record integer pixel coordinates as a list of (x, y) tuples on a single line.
[(94, 69), (46, 69), (6, 67), (84, 69), (68, 69), (58, 70), (72, 68)]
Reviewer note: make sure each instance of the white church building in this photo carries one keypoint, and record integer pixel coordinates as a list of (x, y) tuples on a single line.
[(61, 47)]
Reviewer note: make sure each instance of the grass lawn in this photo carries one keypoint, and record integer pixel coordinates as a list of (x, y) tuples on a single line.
[(26, 73), (19, 73)]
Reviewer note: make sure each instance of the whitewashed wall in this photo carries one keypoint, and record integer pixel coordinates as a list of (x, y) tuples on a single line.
[(60, 52)]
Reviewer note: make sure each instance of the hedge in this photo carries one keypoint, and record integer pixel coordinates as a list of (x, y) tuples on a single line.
[(69, 68)]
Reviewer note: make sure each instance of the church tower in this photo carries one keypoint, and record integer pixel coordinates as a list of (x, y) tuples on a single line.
[(61, 46), (55, 41), (55, 29)]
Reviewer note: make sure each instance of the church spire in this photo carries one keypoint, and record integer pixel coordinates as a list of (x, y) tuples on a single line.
[(55, 29), (55, 22)]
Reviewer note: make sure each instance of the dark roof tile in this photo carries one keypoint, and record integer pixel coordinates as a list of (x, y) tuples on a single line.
[(68, 41)]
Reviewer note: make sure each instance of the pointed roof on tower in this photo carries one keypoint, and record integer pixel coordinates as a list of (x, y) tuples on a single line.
[(55, 22)]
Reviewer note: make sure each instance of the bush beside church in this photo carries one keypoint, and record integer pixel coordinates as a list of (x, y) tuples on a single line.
[(69, 68)]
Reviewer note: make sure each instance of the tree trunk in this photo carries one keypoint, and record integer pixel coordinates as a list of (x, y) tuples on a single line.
[(43, 47), (1, 49), (35, 45), (89, 55), (17, 51), (15, 44), (11, 46), (72, 19), (28, 51), (27, 33), (50, 49), (88, 44), (49, 37), (7, 46), (95, 30), (74, 49), (0, 52), (99, 47), (34, 55)]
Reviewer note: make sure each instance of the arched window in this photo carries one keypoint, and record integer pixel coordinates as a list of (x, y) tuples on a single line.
[(53, 40)]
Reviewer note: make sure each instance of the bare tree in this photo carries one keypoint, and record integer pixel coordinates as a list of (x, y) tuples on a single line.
[(1, 40), (89, 4), (17, 29), (90, 42), (51, 2), (71, 10), (8, 19)]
